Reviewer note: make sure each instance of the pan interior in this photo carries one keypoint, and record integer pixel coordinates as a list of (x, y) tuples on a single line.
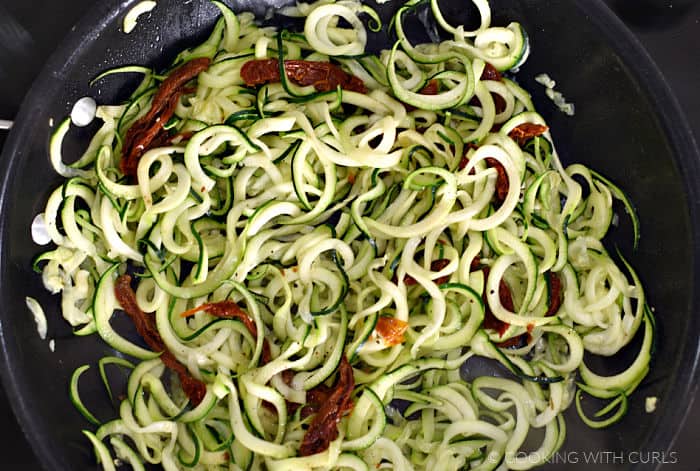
[(623, 127)]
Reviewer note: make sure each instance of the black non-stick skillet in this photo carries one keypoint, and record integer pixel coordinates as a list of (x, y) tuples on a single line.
[(627, 124)]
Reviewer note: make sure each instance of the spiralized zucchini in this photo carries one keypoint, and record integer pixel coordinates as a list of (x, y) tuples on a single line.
[(322, 214)]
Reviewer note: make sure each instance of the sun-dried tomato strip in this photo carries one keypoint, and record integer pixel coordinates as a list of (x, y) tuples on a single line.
[(324, 76), (148, 129), (502, 185), (554, 294), (519, 341), (464, 161), (391, 330), (435, 265), (491, 73), (315, 398), (526, 131), (226, 309), (431, 88), (499, 102), (491, 321), (261, 71), (475, 264), (146, 328), (324, 426)]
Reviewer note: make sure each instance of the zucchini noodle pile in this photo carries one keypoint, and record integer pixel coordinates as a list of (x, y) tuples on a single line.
[(325, 215)]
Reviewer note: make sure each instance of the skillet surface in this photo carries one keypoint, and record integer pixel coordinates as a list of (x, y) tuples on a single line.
[(627, 125)]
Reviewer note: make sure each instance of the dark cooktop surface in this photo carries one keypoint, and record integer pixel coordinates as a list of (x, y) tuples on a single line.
[(31, 29)]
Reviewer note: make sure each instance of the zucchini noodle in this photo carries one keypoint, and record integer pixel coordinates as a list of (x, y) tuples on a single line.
[(326, 216)]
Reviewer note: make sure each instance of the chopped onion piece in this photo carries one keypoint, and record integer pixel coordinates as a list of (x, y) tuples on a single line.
[(39, 316), (555, 96), (132, 15), (545, 80), (650, 404)]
